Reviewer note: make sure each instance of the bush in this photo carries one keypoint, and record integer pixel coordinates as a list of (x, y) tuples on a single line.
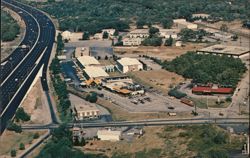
[(177, 94), (153, 41), (228, 99), (36, 135), (22, 115), (21, 146), (14, 127), (13, 153), (92, 97)]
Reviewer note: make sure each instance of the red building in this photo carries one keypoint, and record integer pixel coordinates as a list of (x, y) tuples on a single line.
[(211, 90)]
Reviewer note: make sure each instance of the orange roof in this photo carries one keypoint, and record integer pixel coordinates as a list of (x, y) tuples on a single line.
[(124, 91), (89, 81)]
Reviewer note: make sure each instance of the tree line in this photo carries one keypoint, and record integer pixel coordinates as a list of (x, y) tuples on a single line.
[(223, 70), (95, 15)]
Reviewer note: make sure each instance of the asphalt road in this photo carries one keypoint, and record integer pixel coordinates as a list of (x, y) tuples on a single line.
[(40, 34)]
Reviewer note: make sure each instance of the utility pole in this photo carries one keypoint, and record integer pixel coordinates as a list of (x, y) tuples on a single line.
[(239, 109)]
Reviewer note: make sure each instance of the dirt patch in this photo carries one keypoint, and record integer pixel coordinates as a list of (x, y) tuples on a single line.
[(159, 79), (35, 104), (11, 140), (165, 53)]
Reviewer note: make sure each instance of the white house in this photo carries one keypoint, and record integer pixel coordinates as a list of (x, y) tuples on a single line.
[(98, 36), (139, 33), (129, 64), (132, 41), (166, 33), (66, 35), (182, 23), (109, 31)]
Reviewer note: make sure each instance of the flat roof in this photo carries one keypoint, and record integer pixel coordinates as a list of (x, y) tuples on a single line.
[(82, 105), (88, 60), (139, 31), (183, 21), (169, 31), (108, 132), (94, 72), (129, 61), (223, 49)]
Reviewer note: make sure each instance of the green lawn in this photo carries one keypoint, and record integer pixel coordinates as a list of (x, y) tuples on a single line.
[(209, 103)]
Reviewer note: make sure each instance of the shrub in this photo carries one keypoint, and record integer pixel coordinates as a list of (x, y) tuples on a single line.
[(14, 127), (13, 153), (21, 146), (22, 115), (177, 94), (36, 135)]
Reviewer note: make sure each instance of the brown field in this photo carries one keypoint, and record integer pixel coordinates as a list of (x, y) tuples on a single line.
[(11, 140), (235, 25), (165, 53), (158, 79), (35, 104)]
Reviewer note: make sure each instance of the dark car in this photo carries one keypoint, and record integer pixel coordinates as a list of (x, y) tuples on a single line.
[(171, 108)]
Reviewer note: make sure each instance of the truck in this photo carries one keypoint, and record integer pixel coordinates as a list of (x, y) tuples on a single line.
[(187, 102), (172, 114)]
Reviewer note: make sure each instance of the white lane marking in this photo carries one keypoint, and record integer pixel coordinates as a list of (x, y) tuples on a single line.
[(37, 61), (30, 49)]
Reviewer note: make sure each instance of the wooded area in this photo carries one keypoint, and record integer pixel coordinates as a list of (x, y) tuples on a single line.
[(9, 27), (94, 15), (208, 68)]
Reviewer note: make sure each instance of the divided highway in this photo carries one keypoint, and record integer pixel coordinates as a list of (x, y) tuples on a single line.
[(22, 66)]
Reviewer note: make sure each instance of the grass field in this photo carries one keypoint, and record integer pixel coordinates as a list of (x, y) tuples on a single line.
[(11, 140), (210, 103)]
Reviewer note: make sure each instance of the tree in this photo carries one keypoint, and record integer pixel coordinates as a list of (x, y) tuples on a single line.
[(14, 127), (92, 97), (187, 34), (169, 41), (60, 44), (22, 115), (85, 36), (36, 135), (153, 30), (235, 37), (140, 24), (224, 28), (13, 153), (21, 146), (105, 35), (116, 33), (153, 41), (167, 23), (55, 66), (228, 99)]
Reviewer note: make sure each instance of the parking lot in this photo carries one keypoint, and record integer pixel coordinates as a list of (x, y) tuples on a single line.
[(150, 102)]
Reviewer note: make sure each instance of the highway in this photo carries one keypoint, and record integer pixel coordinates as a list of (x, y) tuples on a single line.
[(25, 63), (154, 122)]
